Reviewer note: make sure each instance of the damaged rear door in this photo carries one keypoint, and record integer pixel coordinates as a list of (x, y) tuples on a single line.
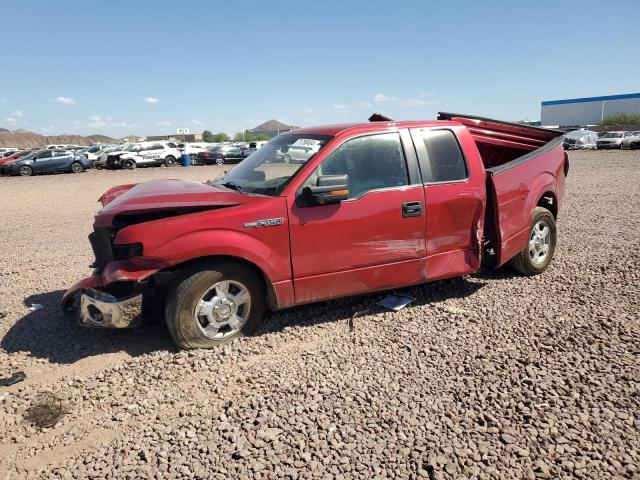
[(455, 195)]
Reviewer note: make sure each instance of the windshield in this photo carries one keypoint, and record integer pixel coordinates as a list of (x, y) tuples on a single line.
[(612, 135), (267, 171)]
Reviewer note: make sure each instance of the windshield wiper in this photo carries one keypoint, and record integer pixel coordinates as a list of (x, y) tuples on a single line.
[(231, 186)]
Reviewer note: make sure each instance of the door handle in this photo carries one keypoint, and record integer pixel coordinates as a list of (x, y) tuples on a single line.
[(412, 209)]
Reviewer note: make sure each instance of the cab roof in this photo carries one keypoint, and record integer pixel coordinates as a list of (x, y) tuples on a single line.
[(343, 128)]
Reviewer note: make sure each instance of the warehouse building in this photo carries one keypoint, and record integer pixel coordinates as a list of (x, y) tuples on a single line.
[(587, 111)]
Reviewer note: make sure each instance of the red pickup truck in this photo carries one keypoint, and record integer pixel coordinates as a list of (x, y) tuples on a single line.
[(368, 207)]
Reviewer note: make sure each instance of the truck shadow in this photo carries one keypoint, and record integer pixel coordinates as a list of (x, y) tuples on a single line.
[(345, 308), (53, 335)]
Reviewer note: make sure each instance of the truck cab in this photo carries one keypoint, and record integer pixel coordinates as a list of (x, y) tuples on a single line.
[(373, 206)]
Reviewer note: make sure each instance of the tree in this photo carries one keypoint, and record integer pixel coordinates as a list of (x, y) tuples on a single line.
[(622, 119), (221, 137), (249, 137), (207, 136)]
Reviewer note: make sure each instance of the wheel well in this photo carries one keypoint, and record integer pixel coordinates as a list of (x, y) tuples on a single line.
[(549, 201), (272, 298)]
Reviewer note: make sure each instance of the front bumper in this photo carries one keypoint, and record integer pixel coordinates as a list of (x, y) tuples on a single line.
[(102, 310)]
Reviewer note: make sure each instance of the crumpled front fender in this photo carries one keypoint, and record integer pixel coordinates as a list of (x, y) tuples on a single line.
[(136, 269)]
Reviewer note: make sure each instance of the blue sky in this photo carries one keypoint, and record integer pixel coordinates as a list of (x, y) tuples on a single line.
[(142, 67)]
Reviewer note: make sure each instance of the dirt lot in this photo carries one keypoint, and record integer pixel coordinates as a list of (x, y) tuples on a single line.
[(493, 375)]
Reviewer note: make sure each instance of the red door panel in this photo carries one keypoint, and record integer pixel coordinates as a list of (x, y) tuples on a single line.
[(358, 245)]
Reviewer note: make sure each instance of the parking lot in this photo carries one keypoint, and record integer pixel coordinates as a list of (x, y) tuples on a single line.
[(493, 375)]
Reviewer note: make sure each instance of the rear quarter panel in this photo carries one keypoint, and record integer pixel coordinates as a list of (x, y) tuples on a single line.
[(517, 190)]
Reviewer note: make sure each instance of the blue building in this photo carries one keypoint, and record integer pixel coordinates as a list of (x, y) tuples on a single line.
[(587, 111)]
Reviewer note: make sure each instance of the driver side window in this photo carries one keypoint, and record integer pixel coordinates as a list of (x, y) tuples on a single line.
[(372, 162)]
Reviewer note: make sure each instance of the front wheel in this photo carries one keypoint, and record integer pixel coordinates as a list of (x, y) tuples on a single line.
[(214, 304), (129, 164), (77, 167), (537, 255), (220, 161), (25, 171)]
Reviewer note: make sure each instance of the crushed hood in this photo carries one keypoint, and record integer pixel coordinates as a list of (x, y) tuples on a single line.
[(157, 195)]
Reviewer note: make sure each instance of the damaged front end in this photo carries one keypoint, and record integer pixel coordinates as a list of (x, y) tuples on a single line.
[(113, 298)]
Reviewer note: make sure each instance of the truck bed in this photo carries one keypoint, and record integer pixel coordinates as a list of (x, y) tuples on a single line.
[(526, 167)]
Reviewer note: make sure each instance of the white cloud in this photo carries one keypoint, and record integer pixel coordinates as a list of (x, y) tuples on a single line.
[(309, 109), (339, 106), (428, 95), (411, 102), (16, 118), (381, 97), (65, 100), (164, 123), (151, 100), (98, 122)]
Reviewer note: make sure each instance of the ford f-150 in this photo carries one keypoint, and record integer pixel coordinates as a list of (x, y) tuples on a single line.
[(375, 206)]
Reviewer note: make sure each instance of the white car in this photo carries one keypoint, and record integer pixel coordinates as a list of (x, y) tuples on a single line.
[(194, 148), (59, 147), (626, 143), (148, 154)]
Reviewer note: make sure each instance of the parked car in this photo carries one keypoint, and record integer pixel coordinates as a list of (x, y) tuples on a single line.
[(148, 154), (631, 142), (102, 160), (580, 139), (297, 154), (612, 139), (14, 156), (46, 161), (60, 147), (223, 154), (194, 148), (378, 206), (8, 153)]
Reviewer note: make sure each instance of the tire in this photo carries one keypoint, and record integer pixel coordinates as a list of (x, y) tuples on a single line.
[(287, 158), (129, 164), (76, 167), (25, 171), (194, 159), (537, 255), (191, 326), (169, 161), (219, 160)]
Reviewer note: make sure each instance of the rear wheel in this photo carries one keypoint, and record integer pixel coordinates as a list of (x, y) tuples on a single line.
[(219, 160), (287, 158), (214, 304), (25, 171), (169, 161), (76, 167), (537, 255)]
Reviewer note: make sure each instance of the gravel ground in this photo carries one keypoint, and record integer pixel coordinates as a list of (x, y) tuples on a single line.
[(488, 376)]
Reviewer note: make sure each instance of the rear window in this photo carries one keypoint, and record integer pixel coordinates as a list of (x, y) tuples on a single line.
[(445, 158)]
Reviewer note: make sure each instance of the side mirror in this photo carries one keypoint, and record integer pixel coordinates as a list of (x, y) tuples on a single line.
[(328, 189)]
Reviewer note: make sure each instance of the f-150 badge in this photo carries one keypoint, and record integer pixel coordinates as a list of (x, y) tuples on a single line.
[(267, 222)]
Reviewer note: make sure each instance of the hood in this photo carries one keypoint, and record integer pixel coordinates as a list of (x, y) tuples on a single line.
[(169, 195)]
